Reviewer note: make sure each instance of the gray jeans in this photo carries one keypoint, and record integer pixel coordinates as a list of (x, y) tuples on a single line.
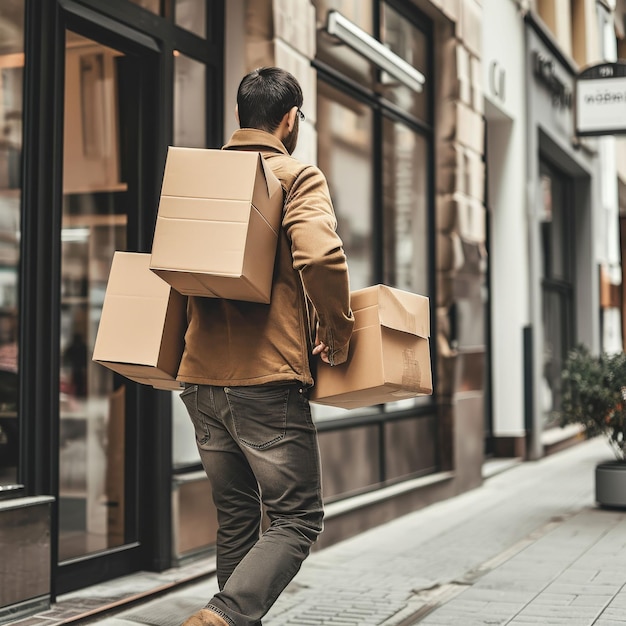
[(258, 446)]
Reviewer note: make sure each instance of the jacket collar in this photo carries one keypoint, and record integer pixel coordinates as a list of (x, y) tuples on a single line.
[(252, 138)]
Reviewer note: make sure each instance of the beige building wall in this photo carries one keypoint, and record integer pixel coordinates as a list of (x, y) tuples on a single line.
[(574, 25), (460, 217)]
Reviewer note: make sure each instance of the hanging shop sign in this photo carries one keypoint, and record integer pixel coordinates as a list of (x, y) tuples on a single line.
[(601, 100)]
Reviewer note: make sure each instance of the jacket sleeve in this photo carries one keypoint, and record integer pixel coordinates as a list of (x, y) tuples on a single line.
[(310, 223)]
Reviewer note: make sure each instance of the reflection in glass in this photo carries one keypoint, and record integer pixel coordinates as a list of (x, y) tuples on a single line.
[(189, 102), (11, 110), (405, 208), (556, 317), (92, 399), (345, 156), (191, 15), (411, 44)]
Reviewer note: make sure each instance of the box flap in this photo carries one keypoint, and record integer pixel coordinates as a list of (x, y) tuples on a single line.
[(268, 196), (169, 384), (272, 183), (145, 375), (362, 398), (402, 310), (203, 173), (392, 308)]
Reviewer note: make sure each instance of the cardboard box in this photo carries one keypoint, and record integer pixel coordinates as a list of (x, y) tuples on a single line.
[(218, 222), (142, 328), (389, 357)]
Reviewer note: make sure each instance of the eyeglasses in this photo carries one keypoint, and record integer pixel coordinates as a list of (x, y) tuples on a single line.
[(301, 115)]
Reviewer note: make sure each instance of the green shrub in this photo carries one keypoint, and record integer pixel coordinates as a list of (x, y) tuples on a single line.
[(594, 395)]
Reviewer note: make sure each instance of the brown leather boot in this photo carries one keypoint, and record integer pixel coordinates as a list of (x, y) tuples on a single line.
[(204, 617)]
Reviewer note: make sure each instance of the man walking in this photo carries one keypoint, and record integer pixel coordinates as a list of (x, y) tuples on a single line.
[(247, 368)]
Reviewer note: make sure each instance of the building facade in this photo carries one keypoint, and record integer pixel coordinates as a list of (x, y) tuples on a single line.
[(552, 199), (471, 188)]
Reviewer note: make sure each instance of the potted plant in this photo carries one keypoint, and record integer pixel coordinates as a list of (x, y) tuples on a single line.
[(594, 395)]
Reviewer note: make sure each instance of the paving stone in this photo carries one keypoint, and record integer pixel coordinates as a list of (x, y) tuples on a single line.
[(613, 613), (529, 547), (595, 600)]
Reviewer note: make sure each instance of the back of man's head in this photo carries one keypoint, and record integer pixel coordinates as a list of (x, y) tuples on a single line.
[(264, 96)]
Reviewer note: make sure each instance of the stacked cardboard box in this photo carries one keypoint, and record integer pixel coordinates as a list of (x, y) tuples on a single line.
[(389, 356), (216, 236), (218, 224), (142, 327)]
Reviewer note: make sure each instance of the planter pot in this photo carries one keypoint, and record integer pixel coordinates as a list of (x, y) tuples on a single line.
[(611, 484)]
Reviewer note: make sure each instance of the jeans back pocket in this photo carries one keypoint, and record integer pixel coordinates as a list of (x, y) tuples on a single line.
[(259, 414)]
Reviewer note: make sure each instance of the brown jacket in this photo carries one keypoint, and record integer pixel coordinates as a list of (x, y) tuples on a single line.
[(230, 342)]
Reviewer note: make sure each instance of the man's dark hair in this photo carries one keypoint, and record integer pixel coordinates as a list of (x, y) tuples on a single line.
[(264, 96)]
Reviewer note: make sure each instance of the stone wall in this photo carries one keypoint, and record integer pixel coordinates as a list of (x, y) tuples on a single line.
[(461, 235)]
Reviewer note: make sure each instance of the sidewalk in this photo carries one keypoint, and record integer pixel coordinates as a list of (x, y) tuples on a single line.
[(528, 547)]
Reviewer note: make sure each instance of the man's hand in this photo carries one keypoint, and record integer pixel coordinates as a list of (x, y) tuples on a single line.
[(322, 349)]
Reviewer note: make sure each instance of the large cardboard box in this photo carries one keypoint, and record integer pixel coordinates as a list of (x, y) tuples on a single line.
[(389, 357), (218, 222), (141, 333)]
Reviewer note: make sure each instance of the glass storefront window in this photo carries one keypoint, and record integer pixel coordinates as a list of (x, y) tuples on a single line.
[(189, 102), (361, 149), (411, 44), (345, 155), (346, 158), (11, 113), (191, 15), (405, 208), (92, 398)]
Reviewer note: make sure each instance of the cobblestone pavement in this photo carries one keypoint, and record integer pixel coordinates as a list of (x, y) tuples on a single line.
[(528, 547)]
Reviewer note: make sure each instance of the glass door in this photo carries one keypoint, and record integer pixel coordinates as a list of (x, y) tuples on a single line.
[(92, 406), (557, 217), (104, 151)]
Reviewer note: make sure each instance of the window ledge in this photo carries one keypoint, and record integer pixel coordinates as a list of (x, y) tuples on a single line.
[(336, 509)]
